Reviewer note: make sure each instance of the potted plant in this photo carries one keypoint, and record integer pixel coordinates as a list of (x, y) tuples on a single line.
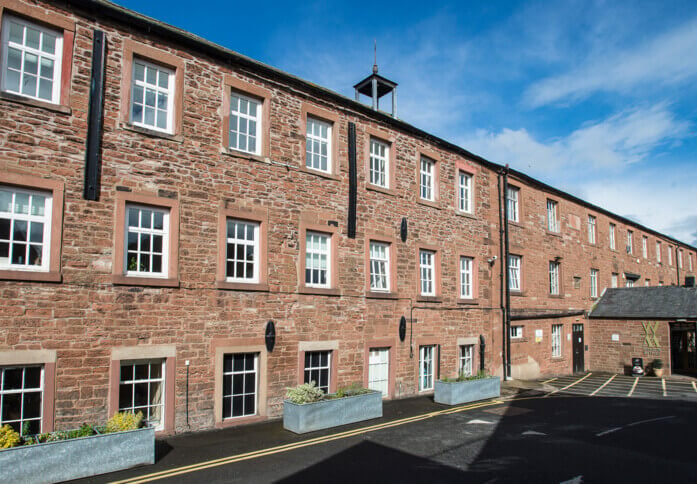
[(72, 454), (307, 408), (464, 389), (657, 367)]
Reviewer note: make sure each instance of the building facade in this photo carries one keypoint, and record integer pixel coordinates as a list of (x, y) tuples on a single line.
[(224, 195)]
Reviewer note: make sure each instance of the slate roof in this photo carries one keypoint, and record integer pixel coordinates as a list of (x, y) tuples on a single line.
[(657, 302)]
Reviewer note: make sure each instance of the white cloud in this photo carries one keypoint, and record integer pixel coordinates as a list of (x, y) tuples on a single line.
[(666, 59)]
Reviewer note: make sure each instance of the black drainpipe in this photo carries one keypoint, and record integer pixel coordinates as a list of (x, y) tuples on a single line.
[(502, 277), (504, 263)]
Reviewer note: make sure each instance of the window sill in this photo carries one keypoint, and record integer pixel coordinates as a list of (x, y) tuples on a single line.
[(517, 293), (555, 296), (177, 138), (466, 301), (376, 188), (381, 295), (519, 340), (553, 234), (432, 299), (243, 154), (16, 98), (319, 291), (433, 204), (122, 280), (465, 214), (30, 276), (557, 358), (330, 176), (242, 286), (234, 422), (515, 224)]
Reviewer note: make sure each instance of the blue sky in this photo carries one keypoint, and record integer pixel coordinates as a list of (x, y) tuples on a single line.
[(598, 98)]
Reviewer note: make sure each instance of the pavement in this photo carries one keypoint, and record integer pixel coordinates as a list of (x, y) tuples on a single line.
[(580, 428)]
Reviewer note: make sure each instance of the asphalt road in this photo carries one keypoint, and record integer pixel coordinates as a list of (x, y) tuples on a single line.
[(540, 438)]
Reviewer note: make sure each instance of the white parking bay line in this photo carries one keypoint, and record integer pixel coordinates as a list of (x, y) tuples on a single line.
[(603, 385), (694, 386), (568, 386), (636, 380), (663, 384)]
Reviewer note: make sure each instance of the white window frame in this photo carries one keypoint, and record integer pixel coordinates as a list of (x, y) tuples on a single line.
[(670, 256), (231, 375), (612, 237), (591, 229), (379, 266), (427, 189), (22, 391), (379, 163), (313, 160), (30, 219), (614, 280), (235, 241), (165, 233), (311, 252), (556, 340), (169, 91), (658, 251), (318, 368), (594, 283), (56, 57), (464, 192), (680, 259), (516, 332), (630, 242), (466, 277), (379, 370), (554, 268), (514, 272), (466, 360), (552, 218), (645, 246), (427, 272), (238, 115), (512, 203), (149, 380), (427, 364)]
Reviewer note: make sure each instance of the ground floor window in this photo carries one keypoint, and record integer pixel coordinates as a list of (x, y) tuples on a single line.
[(240, 383), (556, 339), (21, 396), (379, 370), (426, 364), (466, 352), (317, 368), (142, 389)]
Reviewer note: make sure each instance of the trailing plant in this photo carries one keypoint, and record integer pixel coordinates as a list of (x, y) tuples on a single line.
[(350, 391), (9, 437), (123, 421), (304, 393)]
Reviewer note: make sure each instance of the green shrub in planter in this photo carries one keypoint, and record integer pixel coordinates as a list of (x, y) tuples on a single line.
[(305, 393)]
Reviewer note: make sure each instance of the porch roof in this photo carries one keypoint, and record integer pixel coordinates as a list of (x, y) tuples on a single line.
[(657, 302)]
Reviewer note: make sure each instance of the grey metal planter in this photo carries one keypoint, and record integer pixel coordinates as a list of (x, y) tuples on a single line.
[(331, 413), (75, 458), (455, 393)]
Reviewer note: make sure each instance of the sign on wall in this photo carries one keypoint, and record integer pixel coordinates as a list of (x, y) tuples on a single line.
[(650, 338)]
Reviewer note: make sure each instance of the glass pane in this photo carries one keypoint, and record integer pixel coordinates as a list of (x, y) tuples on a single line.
[(21, 203), (227, 385), (4, 249), (132, 241), (11, 406), (227, 407), (145, 242), (32, 405), (227, 363), (137, 113), (144, 263), (16, 33), (5, 201), (125, 396), (141, 371), (149, 116), (237, 406), (48, 43), (33, 37), (155, 393), (157, 243), (151, 75), (238, 363), (158, 220), (12, 80), (156, 263), (29, 85), (249, 382), (163, 81), (31, 63), (37, 232), (46, 68), (20, 230), (253, 109), (37, 204), (127, 372), (133, 217), (14, 59), (155, 370), (35, 255), (4, 228), (12, 379), (237, 382), (249, 404), (139, 72), (146, 219), (161, 119), (140, 394)]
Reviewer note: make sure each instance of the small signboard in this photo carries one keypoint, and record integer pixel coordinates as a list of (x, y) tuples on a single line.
[(615, 337), (538, 336)]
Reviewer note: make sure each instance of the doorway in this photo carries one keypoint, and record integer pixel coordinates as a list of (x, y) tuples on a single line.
[(683, 357), (578, 348)]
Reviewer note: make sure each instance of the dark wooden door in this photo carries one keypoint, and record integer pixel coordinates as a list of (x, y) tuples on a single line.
[(578, 348)]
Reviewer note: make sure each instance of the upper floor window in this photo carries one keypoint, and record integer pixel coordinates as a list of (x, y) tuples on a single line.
[(516, 332), (317, 259), (514, 269), (147, 241), (591, 229), (630, 242), (614, 281), (466, 276), (629, 283), (594, 283), (379, 266), (512, 204), (689, 258), (658, 251), (379, 163), (427, 268), (245, 124), (318, 145), (464, 192), (554, 278), (152, 96), (552, 220), (612, 236), (427, 179), (645, 246), (242, 251), (680, 259), (670, 256), (31, 60), (25, 229)]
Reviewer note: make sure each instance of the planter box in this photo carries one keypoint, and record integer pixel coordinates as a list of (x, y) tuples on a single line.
[(457, 392), (308, 417), (75, 458)]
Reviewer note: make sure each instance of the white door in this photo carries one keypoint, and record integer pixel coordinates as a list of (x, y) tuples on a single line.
[(379, 370)]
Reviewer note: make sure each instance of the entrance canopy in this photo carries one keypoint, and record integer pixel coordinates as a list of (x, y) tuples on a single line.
[(657, 302)]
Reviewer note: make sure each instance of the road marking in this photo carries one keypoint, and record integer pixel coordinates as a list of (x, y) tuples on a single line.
[(574, 480), (615, 429), (533, 432), (663, 384), (608, 431), (297, 445), (636, 380), (568, 386), (694, 386), (603, 385), (477, 421), (556, 378)]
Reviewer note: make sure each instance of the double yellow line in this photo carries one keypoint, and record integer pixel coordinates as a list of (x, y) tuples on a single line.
[(298, 445)]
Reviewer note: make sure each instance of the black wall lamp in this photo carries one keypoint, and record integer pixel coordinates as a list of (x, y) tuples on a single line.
[(402, 328), (270, 336), (403, 230)]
